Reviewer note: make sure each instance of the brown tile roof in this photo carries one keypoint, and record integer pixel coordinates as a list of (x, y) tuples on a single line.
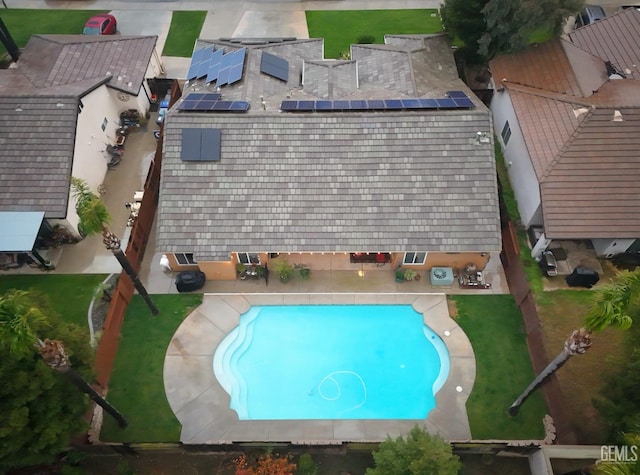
[(615, 39), (547, 124), (591, 191), (586, 163), (53, 60), (543, 67)]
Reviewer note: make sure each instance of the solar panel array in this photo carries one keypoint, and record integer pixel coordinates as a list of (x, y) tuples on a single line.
[(454, 100), (200, 102), (217, 66), (201, 145), (274, 66)]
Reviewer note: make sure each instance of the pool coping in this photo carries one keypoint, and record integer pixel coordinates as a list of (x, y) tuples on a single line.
[(202, 405)]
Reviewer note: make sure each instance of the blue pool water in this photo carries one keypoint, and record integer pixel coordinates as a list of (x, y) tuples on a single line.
[(332, 362)]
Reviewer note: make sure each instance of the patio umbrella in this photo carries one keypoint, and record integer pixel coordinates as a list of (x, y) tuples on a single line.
[(266, 275)]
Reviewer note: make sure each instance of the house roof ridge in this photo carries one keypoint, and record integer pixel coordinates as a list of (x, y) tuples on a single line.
[(558, 96), (558, 158)]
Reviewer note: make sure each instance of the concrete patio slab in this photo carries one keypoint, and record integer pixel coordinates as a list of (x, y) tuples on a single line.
[(202, 405)]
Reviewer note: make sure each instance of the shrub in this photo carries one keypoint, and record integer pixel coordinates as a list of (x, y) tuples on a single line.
[(366, 39), (306, 465)]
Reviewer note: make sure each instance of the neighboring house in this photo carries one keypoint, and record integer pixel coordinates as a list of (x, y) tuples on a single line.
[(567, 114), (347, 184), (60, 105)]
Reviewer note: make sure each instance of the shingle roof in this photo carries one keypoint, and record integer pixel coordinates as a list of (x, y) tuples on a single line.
[(585, 162), (37, 135), (615, 39), (324, 182), (52, 60)]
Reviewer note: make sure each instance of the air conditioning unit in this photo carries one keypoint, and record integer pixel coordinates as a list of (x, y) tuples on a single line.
[(441, 276)]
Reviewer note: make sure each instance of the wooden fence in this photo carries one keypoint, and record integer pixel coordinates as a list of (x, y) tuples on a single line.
[(523, 296), (140, 232)]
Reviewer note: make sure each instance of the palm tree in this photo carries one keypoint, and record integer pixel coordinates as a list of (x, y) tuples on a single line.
[(94, 219), (610, 307), (20, 319)]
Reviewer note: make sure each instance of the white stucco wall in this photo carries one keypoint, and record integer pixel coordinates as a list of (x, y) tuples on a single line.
[(521, 173), (609, 247)]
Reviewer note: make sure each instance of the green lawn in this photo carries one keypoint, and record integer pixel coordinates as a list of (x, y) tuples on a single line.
[(136, 388), (503, 369), (69, 295), (24, 23), (184, 31), (342, 28)]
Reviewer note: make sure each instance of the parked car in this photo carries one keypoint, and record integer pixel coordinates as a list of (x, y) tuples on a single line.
[(102, 24), (548, 264), (624, 7), (189, 281), (589, 14)]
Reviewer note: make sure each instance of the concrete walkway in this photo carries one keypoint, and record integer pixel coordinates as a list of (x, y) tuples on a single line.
[(202, 405)]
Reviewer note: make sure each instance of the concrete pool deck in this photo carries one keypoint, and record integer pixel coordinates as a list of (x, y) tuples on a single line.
[(202, 405)]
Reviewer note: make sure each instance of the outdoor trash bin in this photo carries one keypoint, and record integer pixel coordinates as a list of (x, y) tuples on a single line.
[(583, 277), (190, 280)]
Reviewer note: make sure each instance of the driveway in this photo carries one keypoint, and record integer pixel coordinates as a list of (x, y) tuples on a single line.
[(144, 23)]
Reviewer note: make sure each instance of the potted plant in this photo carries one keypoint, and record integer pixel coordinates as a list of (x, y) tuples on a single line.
[(284, 270), (410, 274), (399, 275), (242, 270), (303, 271)]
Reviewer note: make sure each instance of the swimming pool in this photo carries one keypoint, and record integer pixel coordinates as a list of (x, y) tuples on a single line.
[(331, 362)]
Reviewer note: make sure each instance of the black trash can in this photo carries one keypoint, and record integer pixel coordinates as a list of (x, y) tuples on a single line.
[(189, 281), (583, 277)]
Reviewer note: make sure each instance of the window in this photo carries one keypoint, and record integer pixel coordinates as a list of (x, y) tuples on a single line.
[(185, 258), (506, 133), (414, 258), (248, 258), (104, 124)]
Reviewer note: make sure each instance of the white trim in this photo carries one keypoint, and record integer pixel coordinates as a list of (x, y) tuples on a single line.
[(415, 254)]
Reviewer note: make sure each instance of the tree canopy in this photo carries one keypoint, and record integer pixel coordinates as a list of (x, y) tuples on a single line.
[(489, 27), (39, 409), (416, 454)]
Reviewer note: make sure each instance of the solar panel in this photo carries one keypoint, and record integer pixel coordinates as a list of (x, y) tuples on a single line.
[(221, 106), (289, 105), (411, 103), (324, 105), (464, 102), (274, 66), (446, 103), (223, 77), (306, 105), (375, 104), (239, 106), (378, 104), (235, 74), (214, 65), (190, 151), (428, 103), (188, 105), (225, 67), (454, 94), (210, 145), (237, 66)]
